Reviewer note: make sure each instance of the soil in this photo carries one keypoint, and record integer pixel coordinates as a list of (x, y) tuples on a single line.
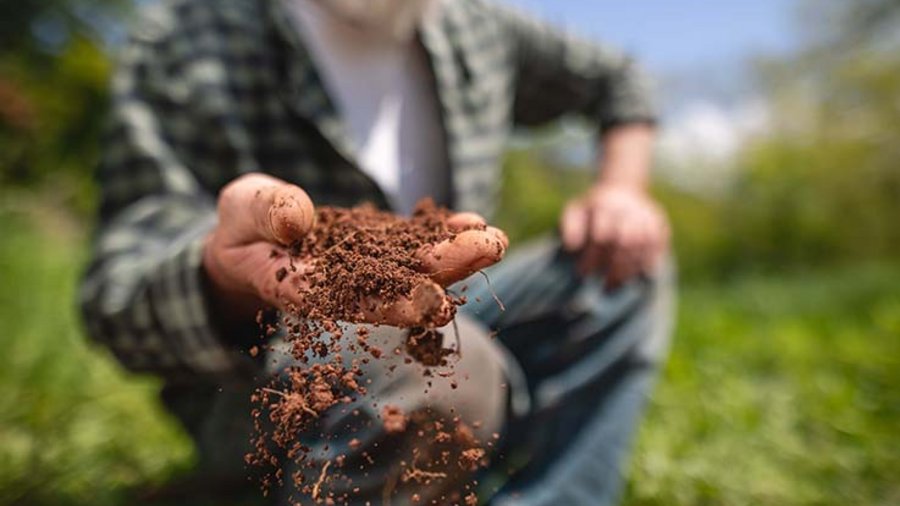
[(426, 346), (353, 261), (363, 254), (393, 419)]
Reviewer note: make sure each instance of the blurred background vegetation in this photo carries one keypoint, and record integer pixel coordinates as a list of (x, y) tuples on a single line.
[(784, 383)]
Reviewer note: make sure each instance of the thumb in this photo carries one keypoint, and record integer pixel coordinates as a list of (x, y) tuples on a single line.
[(257, 207), (574, 226)]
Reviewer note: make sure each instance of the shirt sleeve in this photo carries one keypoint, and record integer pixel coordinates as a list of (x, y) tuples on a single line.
[(144, 293), (559, 73)]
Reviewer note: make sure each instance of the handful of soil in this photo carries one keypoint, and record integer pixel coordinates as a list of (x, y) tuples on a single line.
[(372, 266), (362, 265)]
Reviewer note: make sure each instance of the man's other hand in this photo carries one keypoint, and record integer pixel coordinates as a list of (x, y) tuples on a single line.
[(247, 263), (616, 229)]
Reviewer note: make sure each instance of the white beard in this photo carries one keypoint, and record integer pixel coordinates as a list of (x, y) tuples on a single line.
[(397, 19)]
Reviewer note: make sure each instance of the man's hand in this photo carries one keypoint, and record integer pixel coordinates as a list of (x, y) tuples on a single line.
[(615, 228), (259, 216)]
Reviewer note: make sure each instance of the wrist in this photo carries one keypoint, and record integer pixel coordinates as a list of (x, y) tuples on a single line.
[(626, 157), (605, 183)]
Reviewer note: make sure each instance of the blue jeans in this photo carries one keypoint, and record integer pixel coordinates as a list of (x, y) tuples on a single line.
[(587, 359)]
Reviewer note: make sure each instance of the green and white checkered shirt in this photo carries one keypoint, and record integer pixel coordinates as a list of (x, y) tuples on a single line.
[(208, 90)]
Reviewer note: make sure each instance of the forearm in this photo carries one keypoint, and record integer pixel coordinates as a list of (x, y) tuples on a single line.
[(627, 155)]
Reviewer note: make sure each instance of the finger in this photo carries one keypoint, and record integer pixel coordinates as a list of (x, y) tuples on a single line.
[(272, 275), (574, 227), (259, 207), (592, 258), (459, 222), (468, 252), (604, 226), (625, 262), (621, 269), (596, 254), (426, 306), (612, 264), (636, 242), (290, 213), (281, 285)]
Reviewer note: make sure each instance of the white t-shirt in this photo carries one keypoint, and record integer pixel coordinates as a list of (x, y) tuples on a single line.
[(384, 91)]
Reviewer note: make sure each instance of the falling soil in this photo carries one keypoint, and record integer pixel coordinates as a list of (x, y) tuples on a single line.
[(393, 419), (355, 263)]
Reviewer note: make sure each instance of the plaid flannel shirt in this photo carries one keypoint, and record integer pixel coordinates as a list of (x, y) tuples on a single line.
[(207, 90)]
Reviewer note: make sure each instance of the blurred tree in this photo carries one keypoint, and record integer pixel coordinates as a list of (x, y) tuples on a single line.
[(820, 187), (53, 75), (38, 24), (824, 184)]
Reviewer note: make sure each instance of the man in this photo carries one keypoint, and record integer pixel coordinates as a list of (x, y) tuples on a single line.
[(385, 101)]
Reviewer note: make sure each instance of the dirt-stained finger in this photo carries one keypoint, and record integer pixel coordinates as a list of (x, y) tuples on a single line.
[(290, 214), (281, 283), (276, 278), (465, 221), (468, 252), (258, 207), (426, 306)]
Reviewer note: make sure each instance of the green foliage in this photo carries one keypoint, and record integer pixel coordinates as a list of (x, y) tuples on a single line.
[(74, 429), (35, 27), (52, 138), (533, 195), (778, 391), (824, 187), (54, 71)]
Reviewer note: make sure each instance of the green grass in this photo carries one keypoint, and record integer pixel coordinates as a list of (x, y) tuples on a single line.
[(74, 429), (779, 391)]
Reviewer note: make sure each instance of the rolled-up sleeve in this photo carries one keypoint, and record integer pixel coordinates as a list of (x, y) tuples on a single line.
[(559, 73)]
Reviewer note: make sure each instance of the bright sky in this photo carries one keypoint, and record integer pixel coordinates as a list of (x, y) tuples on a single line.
[(699, 52), (671, 35)]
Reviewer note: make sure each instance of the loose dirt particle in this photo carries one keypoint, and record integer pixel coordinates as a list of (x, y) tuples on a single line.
[(471, 459), (393, 419), (352, 261), (426, 346)]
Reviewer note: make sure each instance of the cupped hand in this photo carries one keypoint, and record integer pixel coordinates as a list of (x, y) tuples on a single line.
[(615, 229), (247, 263)]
